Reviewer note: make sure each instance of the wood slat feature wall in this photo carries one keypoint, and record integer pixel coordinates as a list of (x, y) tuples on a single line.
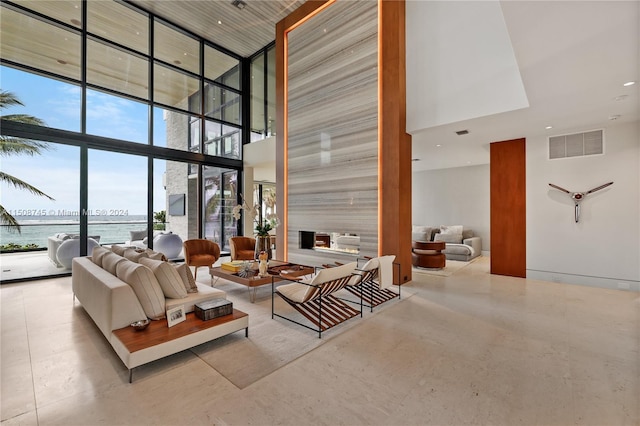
[(508, 208)]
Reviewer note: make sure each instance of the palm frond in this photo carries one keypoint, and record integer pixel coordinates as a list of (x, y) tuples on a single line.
[(8, 221), (20, 184), (24, 118), (8, 98), (10, 145)]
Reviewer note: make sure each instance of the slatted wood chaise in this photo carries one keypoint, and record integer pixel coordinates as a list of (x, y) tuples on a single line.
[(314, 298), (373, 288)]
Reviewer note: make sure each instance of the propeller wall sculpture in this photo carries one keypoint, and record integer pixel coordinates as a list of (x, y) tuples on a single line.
[(579, 196)]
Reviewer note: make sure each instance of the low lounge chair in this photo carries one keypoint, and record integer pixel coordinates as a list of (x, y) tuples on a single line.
[(376, 278), (314, 298)]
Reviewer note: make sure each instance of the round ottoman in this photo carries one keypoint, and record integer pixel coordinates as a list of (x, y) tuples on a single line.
[(428, 254), (71, 248), (169, 244)]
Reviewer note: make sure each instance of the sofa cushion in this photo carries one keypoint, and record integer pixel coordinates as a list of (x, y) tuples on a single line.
[(110, 261), (97, 254), (155, 255), (449, 238), (461, 249), (451, 229), (421, 233), (119, 250), (138, 235), (168, 277), (467, 233), (187, 278), (203, 294), (145, 286), (135, 255)]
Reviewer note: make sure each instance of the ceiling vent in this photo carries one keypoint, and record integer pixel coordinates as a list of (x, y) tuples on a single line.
[(576, 145), (462, 132)]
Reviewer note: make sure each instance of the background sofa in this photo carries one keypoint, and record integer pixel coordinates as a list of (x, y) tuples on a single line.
[(54, 242), (460, 243)]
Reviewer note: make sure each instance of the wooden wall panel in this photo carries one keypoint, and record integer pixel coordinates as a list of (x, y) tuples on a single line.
[(508, 208)]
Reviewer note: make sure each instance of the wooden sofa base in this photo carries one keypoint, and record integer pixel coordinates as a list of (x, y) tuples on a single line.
[(157, 341)]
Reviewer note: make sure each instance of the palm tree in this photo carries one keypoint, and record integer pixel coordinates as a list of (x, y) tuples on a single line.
[(10, 145)]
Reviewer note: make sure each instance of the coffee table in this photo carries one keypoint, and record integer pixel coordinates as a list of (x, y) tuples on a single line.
[(276, 267)]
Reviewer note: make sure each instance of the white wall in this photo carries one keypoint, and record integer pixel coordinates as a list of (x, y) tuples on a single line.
[(603, 248), (455, 196)]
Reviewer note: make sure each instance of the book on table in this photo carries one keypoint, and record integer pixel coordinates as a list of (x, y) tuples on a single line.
[(233, 266)]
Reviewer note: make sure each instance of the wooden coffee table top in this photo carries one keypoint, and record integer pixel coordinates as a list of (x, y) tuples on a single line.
[(276, 268)]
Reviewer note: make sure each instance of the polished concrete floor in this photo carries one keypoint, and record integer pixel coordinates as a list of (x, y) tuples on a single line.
[(471, 348)]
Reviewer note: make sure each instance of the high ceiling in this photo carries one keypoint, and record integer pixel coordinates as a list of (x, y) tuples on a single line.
[(572, 58), (243, 31)]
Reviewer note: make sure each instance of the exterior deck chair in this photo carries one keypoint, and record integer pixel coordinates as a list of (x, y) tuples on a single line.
[(376, 276), (314, 298)]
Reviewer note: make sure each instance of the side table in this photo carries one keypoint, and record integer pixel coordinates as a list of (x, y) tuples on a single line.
[(426, 254)]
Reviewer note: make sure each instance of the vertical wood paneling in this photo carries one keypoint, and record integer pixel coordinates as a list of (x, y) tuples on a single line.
[(395, 153), (508, 208)]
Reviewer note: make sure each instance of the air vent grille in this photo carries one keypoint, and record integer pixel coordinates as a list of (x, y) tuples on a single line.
[(576, 145)]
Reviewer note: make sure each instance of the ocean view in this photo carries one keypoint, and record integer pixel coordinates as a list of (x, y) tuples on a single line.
[(36, 229)]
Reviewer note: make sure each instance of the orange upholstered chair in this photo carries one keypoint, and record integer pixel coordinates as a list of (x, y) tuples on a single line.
[(242, 248), (200, 252)]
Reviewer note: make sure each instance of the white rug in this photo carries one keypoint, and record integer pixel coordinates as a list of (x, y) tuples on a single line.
[(451, 267), (272, 343)]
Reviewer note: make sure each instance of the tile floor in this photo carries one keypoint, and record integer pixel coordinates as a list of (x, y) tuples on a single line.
[(471, 348)]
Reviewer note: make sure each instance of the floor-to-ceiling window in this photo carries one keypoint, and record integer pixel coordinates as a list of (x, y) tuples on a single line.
[(142, 110)]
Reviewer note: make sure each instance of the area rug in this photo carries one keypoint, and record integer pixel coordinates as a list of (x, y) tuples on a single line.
[(272, 343), (451, 267)]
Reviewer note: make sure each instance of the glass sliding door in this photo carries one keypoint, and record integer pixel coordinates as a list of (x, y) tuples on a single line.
[(29, 248), (117, 204), (219, 198)]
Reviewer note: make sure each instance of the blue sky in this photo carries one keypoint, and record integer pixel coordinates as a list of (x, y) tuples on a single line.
[(116, 181)]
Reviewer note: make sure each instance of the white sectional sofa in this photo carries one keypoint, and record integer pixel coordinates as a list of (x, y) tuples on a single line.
[(460, 243), (100, 284)]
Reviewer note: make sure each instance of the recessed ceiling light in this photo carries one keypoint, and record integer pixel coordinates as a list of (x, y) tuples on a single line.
[(549, 127), (61, 62), (177, 62), (462, 132), (438, 145), (239, 4), (219, 22), (629, 83), (76, 22)]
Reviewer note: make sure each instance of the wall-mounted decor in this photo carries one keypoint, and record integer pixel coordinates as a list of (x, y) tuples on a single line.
[(176, 204), (579, 196)]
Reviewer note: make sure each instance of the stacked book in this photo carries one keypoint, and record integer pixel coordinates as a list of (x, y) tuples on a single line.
[(233, 266)]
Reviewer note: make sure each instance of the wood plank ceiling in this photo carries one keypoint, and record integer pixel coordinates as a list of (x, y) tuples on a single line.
[(242, 31)]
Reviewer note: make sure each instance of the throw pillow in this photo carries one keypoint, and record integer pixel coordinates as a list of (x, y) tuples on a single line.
[(145, 286), (137, 235), (110, 261), (119, 250), (421, 233), (187, 278), (449, 238), (134, 255), (155, 255), (451, 229), (98, 254), (168, 277), (467, 233)]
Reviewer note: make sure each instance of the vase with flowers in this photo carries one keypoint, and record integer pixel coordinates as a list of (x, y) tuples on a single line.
[(262, 227)]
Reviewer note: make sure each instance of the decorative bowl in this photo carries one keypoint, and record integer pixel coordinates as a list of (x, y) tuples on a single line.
[(141, 325)]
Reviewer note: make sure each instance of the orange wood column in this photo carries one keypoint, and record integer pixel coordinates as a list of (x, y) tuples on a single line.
[(508, 208), (395, 143)]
